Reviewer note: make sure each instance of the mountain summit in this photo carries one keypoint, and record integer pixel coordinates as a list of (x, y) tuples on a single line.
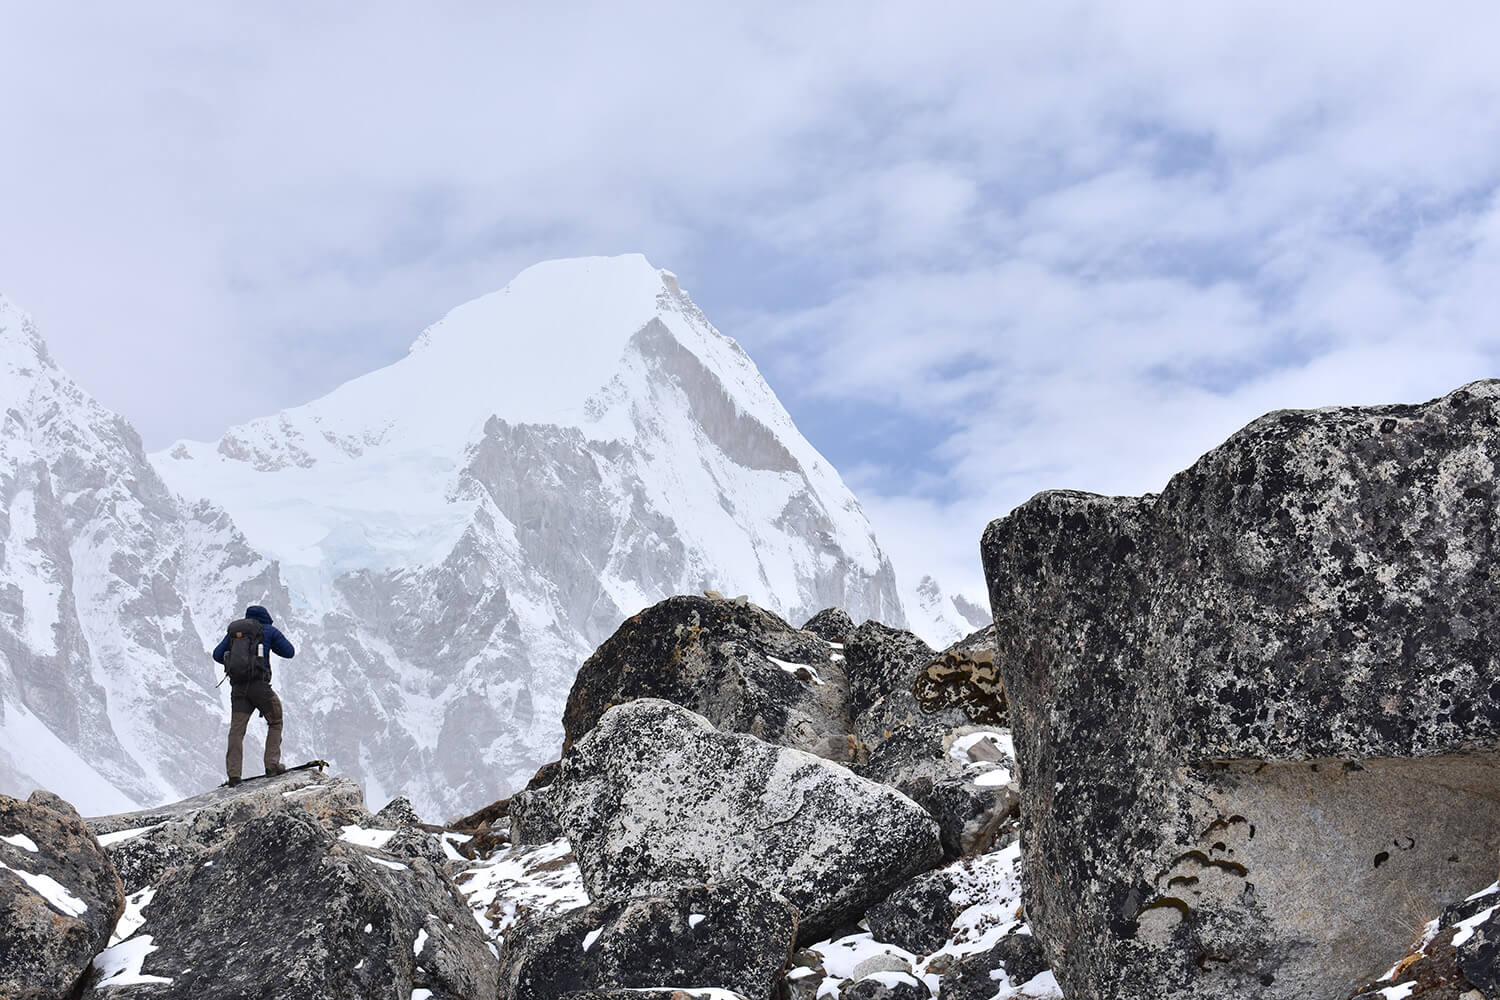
[(457, 531)]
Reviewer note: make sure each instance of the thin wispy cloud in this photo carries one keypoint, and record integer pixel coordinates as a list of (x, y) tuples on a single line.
[(979, 250)]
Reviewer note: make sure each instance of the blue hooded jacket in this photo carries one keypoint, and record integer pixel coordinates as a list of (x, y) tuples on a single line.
[(275, 641)]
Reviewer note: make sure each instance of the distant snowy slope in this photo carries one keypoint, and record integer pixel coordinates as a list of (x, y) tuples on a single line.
[(445, 540), (104, 694)]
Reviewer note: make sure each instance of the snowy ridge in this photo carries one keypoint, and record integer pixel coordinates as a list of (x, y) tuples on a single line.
[(444, 540)]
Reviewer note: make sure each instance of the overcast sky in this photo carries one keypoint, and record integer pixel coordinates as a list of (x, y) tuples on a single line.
[(978, 249)]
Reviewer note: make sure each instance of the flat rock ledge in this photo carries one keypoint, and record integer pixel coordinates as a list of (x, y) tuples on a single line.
[(1257, 716)]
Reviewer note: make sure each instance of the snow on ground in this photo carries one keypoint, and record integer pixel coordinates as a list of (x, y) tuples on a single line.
[(22, 841), (516, 880), (366, 838), (110, 839), (120, 965), (130, 921), (989, 892)]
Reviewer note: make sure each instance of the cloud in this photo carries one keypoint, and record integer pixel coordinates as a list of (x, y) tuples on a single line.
[(979, 249)]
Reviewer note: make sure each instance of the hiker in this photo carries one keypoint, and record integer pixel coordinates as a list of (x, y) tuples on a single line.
[(245, 653)]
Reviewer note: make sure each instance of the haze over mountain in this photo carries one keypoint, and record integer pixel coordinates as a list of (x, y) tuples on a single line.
[(445, 539)]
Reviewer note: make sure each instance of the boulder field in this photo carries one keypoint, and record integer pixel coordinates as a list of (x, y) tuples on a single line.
[(1257, 716), (1238, 739), (665, 854)]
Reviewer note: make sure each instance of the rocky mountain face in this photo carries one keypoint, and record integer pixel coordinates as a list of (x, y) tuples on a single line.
[(1259, 730), (105, 579), (445, 540)]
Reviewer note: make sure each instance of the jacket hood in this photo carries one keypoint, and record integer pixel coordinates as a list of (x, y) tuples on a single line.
[(259, 613)]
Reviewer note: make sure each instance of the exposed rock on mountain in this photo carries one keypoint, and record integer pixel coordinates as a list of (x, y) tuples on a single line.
[(1306, 615), (59, 900), (730, 935), (739, 666), (285, 906), (655, 798), (831, 624)]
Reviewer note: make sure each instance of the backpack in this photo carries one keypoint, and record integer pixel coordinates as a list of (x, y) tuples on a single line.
[(245, 661)]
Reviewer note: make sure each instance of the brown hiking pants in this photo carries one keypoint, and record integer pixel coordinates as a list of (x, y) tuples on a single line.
[(242, 702)]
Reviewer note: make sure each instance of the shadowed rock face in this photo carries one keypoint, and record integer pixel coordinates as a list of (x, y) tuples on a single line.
[(732, 935), (1317, 596)]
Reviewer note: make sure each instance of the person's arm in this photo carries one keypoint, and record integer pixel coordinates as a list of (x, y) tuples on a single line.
[(221, 649), (280, 644)]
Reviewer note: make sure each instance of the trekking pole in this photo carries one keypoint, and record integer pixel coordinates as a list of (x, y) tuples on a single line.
[(221, 681)]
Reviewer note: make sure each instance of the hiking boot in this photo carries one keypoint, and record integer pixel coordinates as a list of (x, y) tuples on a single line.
[(233, 782), (275, 769)]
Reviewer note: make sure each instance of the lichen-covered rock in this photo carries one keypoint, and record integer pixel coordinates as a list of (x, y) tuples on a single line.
[(397, 812), (1015, 959), (886, 986), (51, 800), (969, 798), (831, 625), (738, 665), (656, 798), (415, 842), (145, 845), (285, 909), (1306, 615), (731, 935), (533, 819), (880, 660), (59, 900), (965, 676), (658, 993), (919, 915)]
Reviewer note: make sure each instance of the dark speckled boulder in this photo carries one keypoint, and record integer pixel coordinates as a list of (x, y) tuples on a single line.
[(831, 625), (1257, 716), (738, 665), (59, 899), (731, 935), (285, 910)]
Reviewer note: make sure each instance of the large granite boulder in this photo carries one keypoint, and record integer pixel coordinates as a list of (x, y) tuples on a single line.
[(59, 900), (147, 844), (970, 798), (1257, 715), (285, 909), (731, 935), (655, 798), (881, 659), (736, 664)]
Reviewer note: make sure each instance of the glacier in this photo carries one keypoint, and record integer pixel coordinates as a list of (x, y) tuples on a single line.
[(445, 539)]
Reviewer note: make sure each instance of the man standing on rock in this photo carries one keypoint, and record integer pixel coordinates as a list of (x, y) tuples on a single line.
[(245, 653)]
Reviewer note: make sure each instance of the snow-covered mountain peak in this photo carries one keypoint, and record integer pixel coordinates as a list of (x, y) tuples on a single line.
[(21, 349), (371, 475)]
